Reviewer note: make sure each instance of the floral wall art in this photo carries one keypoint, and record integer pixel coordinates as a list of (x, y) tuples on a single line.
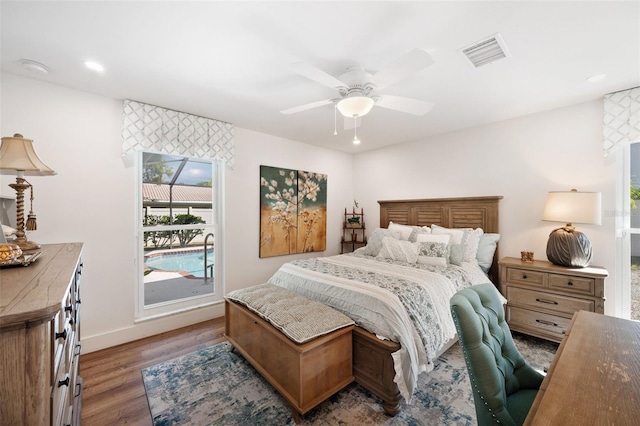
[(293, 211)]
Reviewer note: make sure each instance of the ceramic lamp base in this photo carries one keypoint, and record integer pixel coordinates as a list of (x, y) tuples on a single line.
[(568, 247)]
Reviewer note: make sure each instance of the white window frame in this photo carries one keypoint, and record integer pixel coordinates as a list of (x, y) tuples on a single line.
[(144, 313)]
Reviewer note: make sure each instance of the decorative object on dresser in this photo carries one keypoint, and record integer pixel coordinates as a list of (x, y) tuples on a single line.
[(17, 156), (40, 339), (542, 297), (566, 246), (353, 230)]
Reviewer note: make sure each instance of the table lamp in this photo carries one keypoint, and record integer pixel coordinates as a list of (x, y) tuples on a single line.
[(566, 246), (17, 156)]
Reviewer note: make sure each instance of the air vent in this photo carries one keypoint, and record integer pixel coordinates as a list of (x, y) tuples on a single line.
[(486, 51)]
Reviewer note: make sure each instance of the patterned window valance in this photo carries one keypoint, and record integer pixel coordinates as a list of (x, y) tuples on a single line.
[(151, 128), (621, 119)]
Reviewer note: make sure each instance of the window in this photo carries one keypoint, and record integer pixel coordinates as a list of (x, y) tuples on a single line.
[(179, 233), (632, 293)]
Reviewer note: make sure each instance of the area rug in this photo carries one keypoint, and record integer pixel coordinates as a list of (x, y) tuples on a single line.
[(217, 386)]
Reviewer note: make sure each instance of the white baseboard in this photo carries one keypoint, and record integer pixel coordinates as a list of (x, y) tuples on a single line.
[(149, 328)]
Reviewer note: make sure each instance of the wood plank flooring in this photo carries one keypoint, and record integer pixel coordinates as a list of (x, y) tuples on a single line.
[(113, 391)]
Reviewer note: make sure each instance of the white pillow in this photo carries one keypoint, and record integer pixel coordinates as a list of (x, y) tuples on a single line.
[(405, 230), (433, 249), (456, 248), (469, 239), (393, 249)]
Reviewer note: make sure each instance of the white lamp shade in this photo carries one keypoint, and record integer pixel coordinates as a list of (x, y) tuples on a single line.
[(18, 154), (573, 207), (355, 106)]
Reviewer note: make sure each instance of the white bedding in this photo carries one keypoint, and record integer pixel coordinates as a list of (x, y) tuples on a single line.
[(406, 303)]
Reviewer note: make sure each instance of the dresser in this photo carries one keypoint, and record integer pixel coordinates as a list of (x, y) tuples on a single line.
[(40, 339), (542, 297)]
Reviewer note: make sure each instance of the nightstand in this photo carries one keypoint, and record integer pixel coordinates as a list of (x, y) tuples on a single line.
[(542, 297)]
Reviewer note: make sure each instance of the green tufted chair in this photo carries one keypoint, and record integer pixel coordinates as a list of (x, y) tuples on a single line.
[(503, 385)]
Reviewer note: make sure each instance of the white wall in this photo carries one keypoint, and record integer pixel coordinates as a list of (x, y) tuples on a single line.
[(92, 197), (520, 159), (92, 200)]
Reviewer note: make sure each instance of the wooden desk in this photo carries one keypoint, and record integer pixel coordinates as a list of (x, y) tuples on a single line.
[(594, 377)]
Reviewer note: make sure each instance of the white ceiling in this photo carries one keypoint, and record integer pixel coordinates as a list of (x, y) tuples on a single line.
[(230, 60)]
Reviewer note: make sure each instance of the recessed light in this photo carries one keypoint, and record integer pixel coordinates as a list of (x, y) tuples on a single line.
[(596, 77), (34, 67), (94, 66)]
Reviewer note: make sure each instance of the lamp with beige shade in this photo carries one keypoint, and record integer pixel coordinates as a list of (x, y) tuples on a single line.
[(566, 246), (17, 156)]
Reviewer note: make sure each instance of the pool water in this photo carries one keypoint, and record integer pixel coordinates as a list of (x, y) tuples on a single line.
[(191, 262)]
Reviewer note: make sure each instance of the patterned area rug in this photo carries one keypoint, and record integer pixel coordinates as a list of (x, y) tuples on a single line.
[(216, 386)]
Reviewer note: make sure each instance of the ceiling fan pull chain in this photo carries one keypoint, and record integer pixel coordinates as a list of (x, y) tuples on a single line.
[(356, 141)]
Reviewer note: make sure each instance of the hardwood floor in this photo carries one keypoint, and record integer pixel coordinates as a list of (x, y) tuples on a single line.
[(113, 391)]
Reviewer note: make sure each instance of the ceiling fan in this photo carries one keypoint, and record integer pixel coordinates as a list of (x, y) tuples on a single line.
[(359, 90)]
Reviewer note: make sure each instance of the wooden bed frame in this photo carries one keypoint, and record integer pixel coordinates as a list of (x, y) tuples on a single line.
[(372, 362)]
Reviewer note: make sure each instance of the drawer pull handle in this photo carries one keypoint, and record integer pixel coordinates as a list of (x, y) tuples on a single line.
[(524, 276), (553, 324), (77, 350), (62, 335), (68, 308), (569, 283), (78, 390), (548, 302), (64, 382)]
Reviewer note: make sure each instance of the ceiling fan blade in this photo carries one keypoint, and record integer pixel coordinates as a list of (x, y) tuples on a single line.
[(403, 67), (408, 105), (316, 74), (307, 106)]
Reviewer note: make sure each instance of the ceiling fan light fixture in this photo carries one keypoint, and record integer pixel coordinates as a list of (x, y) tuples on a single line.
[(355, 106)]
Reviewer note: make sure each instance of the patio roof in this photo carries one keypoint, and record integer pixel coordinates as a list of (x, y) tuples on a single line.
[(154, 194)]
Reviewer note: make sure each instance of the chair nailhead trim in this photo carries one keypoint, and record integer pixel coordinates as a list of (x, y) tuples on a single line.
[(464, 352)]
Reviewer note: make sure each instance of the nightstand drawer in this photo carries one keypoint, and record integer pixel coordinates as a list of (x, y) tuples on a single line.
[(572, 284), (537, 323), (523, 276), (547, 301)]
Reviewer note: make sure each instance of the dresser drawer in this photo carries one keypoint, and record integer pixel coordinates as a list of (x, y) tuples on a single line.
[(60, 396), (523, 276), (553, 302), (571, 284), (537, 323)]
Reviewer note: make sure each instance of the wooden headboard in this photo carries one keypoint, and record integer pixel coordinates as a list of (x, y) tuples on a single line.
[(466, 212)]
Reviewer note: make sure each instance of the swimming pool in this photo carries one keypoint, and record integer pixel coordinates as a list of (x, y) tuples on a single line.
[(187, 261)]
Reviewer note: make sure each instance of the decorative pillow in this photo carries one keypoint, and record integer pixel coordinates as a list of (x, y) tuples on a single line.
[(418, 230), (374, 242), (433, 249), (469, 238), (471, 244), (405, 230), (456, 247), (486, 249), (394, 249)]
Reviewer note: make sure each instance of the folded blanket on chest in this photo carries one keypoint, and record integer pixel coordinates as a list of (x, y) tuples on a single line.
[(402, 303)]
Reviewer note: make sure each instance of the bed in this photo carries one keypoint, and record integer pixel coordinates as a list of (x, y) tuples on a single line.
[(396, 338)]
